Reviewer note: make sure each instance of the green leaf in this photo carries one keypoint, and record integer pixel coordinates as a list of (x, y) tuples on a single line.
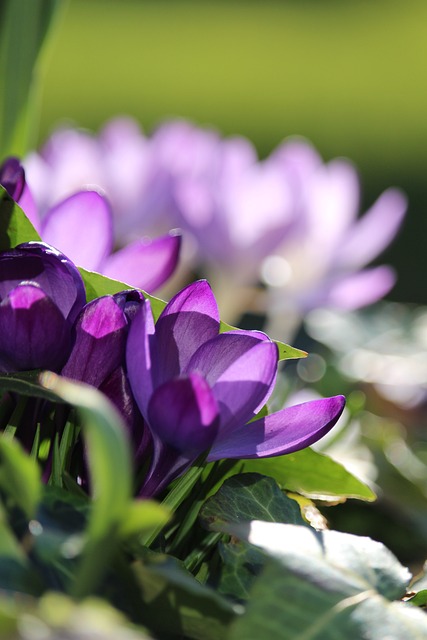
[(27, 384), (419, 599), (246, 497), (98, 285), (312, 474), (14, 224), (286, 352), (109, 460), (177, 604), (345, 582), (23, 29), (143, 516), (243, 498), (19, 476)]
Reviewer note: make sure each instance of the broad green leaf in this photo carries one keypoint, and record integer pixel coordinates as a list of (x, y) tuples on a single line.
[(240, 566), (291, 606), (312, 474), (15, 227), (246, 497), (243, 498), (109, 462), (19, 476), (177, 604), (344, 581), (23, 29)]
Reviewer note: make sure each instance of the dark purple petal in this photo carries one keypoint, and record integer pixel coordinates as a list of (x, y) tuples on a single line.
[(33, 332), (168, 464), (288, 430), (188, 320), (183, 413), (40, 263), (100, 342), (129, 302), (82, 227), (12, 177), (141, 356), (240, 367), (145, 264)]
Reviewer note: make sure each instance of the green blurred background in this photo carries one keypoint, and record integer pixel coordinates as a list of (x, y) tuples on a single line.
[(348, 74)]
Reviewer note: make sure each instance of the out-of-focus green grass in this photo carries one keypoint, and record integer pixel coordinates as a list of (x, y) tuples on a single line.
[(349, 75)]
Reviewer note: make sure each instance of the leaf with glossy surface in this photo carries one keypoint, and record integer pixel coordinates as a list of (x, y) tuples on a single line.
[(15, 227), (246, 497), (347, 582), (312, 474)]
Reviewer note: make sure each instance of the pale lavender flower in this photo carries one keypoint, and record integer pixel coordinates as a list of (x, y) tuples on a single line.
[(322, 263)]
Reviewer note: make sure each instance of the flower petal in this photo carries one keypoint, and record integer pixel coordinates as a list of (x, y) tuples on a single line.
[(144, 264), (141, 356), (99, 347), (81, 226), (40, 263), (33, 332), (188, 320), (240, 367), (12, 177), (372, 233), (362, 288), (183, 414), (288, 430)]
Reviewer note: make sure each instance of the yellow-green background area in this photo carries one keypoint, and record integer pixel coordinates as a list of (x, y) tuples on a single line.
[(348, 74)]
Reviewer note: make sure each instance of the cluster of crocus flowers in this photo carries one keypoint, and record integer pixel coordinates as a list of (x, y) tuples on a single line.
[(82, 226), (289, 221), (183, 388)]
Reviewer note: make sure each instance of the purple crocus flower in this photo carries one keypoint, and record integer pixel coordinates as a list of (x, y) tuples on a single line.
[(41, 294), (81, 226), (197, 389)]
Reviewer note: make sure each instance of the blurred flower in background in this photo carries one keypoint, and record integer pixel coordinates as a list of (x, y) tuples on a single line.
[(289, 221)]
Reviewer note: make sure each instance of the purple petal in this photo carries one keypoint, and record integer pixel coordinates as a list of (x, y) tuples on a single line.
[(332, 204), (141, 356), (240, 367), (188, 320), (129, 302), (183, 414), (33, 332), (12, 177), (362, 288), (100, 342), (283, 432), (81, 227), (142, 264), (28, 206), (42, 264), (374, 231)]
